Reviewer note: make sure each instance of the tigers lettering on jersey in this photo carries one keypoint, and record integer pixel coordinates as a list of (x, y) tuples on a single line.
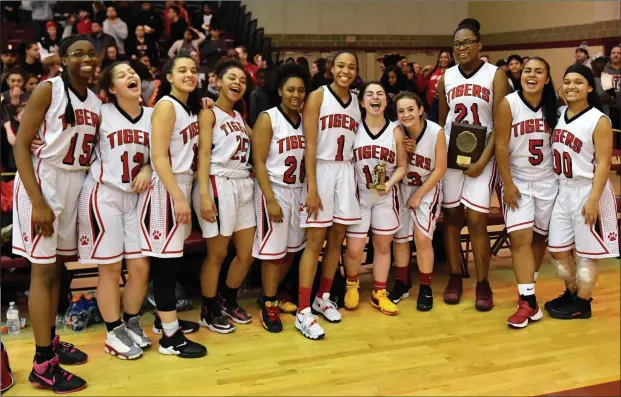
[(374, 152), (339, 121), (419, 161), (291, 143), (82, 117), (233, 126), (530, 126), (128, 136), (466, 90), (568, 139), (191, 130)]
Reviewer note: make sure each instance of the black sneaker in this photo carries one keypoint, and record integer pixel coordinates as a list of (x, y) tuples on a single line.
[(399, 291), (577, 308), (215, 321), (68, 353), (178, 345), (562, 300), (270, 317), (235, 312), (188, 327), (424, 303), (50, 375)]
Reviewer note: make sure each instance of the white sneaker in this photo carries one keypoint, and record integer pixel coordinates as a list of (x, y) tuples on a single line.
[(326, 307), (306, 323), (120, 344), (135, 331)]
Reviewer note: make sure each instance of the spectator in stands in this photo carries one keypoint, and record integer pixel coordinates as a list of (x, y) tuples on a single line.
[(598, 63), (11, 126), (99, 11), (582, 55), (168, 18), (394, 82), (251, 68), (188, 43), (10, 11), (613, 68), (146, 61), (417, 68), (31, 83), (212, 89), (70, 29), (140, 45), (14, 96), (502, 64), (85, 24), (428, 82), (9, 57), (93, 82), (213, 49), (49, 42), (302, 61), (515, 71), (51, 67), (100, 39), (316, 67), (324, 74), (259, 98), (151, 20), (203, 70), (177, 25), (203, 21), (42, 13), (32, 59), (115, 27), (111, 55), (403, 62), (289, 60), (485, 58)]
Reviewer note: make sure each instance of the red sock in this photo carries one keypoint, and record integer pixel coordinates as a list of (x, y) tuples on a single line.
[(324, 286), (379, 285), (403, 274), (303, 298), (352, 278), (425, 278)]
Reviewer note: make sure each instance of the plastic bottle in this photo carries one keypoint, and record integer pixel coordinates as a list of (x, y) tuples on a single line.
[(12, 319)]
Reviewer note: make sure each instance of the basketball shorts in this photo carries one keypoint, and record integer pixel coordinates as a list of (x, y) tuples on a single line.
[(474, 193), (274, 240), (160, 235), (108, 229), (61, 190), (378, 213), (424, 217), (534, 207), (336, 186), (567, 227), (234, 206)]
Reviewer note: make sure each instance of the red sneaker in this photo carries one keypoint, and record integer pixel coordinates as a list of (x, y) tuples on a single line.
[(485, 300), (452, 293), (523, 315)]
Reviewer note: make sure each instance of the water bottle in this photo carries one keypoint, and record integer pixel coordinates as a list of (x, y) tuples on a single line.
[(12, 319)]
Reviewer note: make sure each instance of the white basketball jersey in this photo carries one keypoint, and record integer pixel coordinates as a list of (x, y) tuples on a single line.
[(338, 123), (285, 160), (69, 146), (422, 162), (230, 149), (122, 147), (373, 150), (530, 151), (183, 149), (572, 144), (470, 98)]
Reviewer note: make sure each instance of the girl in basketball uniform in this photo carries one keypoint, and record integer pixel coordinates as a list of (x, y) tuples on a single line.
[(331, 119), (223, 199), (278, 157), (108, 228), (378, 143), (523, 123), (584, 218), (63, 113), (469, 93), (164, 209), (421, 195)]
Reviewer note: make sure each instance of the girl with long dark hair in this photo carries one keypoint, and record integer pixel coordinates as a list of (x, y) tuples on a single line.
[(427, 83)]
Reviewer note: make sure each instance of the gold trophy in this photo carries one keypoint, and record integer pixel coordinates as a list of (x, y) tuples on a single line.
[(379, 175)]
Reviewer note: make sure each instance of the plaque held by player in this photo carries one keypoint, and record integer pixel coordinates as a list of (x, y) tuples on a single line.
[(466, 145), (379, 176)]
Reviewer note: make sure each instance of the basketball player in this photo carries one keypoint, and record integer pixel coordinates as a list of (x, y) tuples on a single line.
[(378, 143), (223, 199), (421, 195), (584, 217), (165, 217), (331, 119), (108, 209), (63, 112), (469, 93), (524, 122), (278, 157)]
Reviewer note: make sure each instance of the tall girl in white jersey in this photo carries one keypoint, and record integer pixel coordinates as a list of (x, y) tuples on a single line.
[(523, 123), (469, 93), (331, 119), (63, 112), (165, 217), (378, 148), (584, 218), (108, 209), (421, 195), (223, 199), (278, 157)]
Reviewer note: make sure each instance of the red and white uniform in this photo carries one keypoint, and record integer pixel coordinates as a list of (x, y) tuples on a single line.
[(108, 227), (574, 166), (530, 161), (336, 184), (379, 213), (421, 164), (60, 170), (231, 186), (160, 235), (470, 99), (285, 167)]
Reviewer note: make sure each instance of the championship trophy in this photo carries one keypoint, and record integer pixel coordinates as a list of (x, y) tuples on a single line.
[(379, 176), (466, 145)]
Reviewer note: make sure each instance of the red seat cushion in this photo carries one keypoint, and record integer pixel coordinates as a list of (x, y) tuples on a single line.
[(9, 263)]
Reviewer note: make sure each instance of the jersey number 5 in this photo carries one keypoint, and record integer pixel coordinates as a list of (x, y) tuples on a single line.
[(87, 147), (534, 146), (462, 112)]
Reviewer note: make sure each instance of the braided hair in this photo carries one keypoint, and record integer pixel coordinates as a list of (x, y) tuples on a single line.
[(64, 46)]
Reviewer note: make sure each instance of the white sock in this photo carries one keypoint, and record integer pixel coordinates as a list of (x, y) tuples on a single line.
[(170, 328), (536, 275), (526, 289)]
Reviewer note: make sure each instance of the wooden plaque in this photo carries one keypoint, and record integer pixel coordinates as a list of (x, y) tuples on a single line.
[(466, 145)]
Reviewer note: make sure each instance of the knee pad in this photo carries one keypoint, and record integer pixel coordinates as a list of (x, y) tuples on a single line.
[(586, 274), (164, 283), (564, 269)]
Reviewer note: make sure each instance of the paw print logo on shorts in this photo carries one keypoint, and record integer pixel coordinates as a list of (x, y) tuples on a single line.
[(25, 237), (612, 236), (83, 240), (156, 235)]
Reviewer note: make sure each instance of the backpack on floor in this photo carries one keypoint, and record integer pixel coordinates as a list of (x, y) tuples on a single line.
[(6, 376)]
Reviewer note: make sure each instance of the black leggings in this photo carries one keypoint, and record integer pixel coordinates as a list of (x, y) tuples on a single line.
[(164, 273)]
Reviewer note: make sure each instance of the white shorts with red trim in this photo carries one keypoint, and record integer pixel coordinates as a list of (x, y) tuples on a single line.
[(108, 229), (378, 213), (336, 186), (61, 191), (474, 193), (567, 227), (274, 240), (160, 235), (234, 206), (534, 207)]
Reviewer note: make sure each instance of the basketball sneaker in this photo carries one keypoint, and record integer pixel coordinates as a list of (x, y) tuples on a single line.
[(484, 297), (50, 375), (215, 321), (135, 331), (524, 315), (566, 298), (400, 290), (352, 297), (424, 303), (270, 317), (235, 312), (285, 305), (188, 327), (327, 308), (67, 353), (120, 344), (178, 345), (454, 288), (577, 308), (380, 300), (306, 323)]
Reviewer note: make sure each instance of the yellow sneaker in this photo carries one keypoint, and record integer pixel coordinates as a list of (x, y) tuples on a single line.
[(352, 297), (380, 300), (287, 307)]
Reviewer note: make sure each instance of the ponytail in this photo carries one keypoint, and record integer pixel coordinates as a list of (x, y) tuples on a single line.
[(64, 46)]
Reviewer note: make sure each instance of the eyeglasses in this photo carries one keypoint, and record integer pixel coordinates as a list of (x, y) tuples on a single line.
[(466, 43), (81, 54)]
